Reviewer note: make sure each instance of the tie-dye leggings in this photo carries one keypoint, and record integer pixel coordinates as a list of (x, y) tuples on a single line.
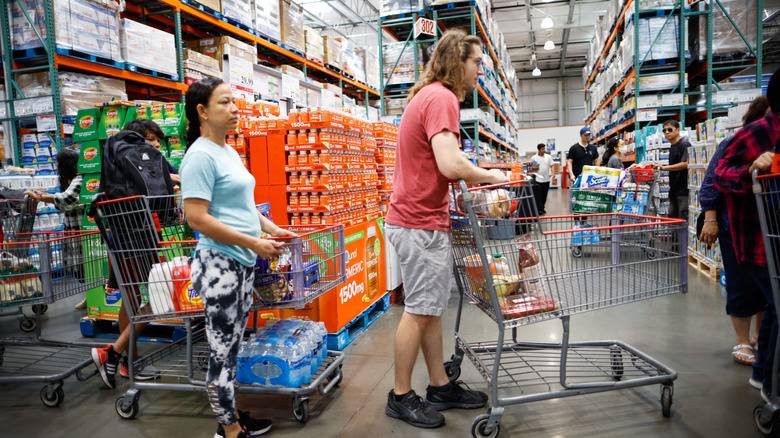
[(226, 288)]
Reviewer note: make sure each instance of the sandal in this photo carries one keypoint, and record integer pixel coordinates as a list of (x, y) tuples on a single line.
[(743, 358)]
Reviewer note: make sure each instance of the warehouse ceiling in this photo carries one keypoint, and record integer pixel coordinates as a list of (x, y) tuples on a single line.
[(519, 20)]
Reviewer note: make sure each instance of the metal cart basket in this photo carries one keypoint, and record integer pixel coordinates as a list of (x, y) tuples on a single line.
[(39, 269), (767, 192), (633, 197), (533, 277), (150, 254), (18, 218)]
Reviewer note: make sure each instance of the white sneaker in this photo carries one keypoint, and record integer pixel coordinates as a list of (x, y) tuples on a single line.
[(754, 383)]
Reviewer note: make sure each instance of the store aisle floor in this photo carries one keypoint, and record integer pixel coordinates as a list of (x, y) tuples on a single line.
[(690, 333)]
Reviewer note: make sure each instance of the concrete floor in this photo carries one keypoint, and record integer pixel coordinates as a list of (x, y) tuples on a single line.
[(690, 333)]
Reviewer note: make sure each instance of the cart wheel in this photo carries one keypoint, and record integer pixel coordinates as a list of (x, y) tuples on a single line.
[(616, 359), (203, 360), (576, 251), (40, 308), (28, 324), (452, 373), (301, 409), (337, 374), (770, 429), (479, 428), (126, 413), (666, 401), (52, 399)]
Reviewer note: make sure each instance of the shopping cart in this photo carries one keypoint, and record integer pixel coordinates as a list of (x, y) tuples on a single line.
[(150, 253), (39, 269), (632, 197), (540, 281), (767, 192), (18, 218)]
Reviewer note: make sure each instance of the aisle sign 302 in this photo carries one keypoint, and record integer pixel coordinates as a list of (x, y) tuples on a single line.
[(423, 25)]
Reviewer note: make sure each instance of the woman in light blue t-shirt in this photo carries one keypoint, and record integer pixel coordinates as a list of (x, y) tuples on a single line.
[(218, 194)]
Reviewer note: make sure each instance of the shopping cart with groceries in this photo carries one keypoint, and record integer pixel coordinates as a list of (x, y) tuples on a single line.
[(602, 190), (38, 269), (529, 277), (151, 250), (766, 189), (18, 218)]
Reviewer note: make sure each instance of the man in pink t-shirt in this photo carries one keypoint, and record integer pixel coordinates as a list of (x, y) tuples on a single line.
[(418, 225)]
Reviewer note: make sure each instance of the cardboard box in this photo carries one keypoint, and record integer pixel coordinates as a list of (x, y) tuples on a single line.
[(364, 284), (216, 5), (277, 197), (218, 46), (262, 194), (258, 160), (267, 18), (334, 52), (89, 188), (315, 50), (276, 160), (147, 47), (292, 21), (90, 157), (241, 11), (111, 121), (86, 126)]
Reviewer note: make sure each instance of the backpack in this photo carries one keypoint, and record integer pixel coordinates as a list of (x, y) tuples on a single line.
[(132, 167)]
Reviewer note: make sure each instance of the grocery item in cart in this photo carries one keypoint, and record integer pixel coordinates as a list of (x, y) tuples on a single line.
[(601, 177), (494, 204), (272, 284), (162, 289), (20, 287), (188, 299), (528, 255), (519, 306)]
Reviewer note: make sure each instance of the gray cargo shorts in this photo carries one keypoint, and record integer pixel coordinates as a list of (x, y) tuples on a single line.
[(426, 268)]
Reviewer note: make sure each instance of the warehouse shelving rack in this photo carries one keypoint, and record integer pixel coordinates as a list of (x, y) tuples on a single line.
[(178, 17), (464, 15), (708, 72)]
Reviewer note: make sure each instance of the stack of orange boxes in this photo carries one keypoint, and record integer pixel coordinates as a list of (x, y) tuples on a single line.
[(331, 174), (386, 135)]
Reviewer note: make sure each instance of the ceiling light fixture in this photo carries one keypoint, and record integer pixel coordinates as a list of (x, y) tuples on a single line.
[(536, 72), (547, 23), (549, 45)]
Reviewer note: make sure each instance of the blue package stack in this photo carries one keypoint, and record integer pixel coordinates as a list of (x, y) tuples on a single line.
[(284, 353)]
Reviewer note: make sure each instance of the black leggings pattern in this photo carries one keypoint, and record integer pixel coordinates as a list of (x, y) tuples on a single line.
[(226, 288)]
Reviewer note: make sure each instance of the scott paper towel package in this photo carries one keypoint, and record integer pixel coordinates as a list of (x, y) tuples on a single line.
[(594, 177)]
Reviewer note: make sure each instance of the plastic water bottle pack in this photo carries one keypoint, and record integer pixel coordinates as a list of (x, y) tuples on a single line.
[(285, 352)]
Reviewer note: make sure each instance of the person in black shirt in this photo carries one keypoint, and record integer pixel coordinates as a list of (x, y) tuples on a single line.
[(581, 154), (678, 170)]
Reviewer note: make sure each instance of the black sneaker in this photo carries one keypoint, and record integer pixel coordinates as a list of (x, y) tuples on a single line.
[(413, 410), (455, 397), (253, 426), (221, 432), (106, 361)]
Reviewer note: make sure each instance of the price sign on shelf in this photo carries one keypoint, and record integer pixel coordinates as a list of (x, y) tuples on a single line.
[(291, 88), (676, 99), (424, 25), (46, 123), (647, 115), (242, 78)]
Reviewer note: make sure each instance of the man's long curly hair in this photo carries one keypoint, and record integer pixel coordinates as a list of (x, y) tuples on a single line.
[(447, 63)]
